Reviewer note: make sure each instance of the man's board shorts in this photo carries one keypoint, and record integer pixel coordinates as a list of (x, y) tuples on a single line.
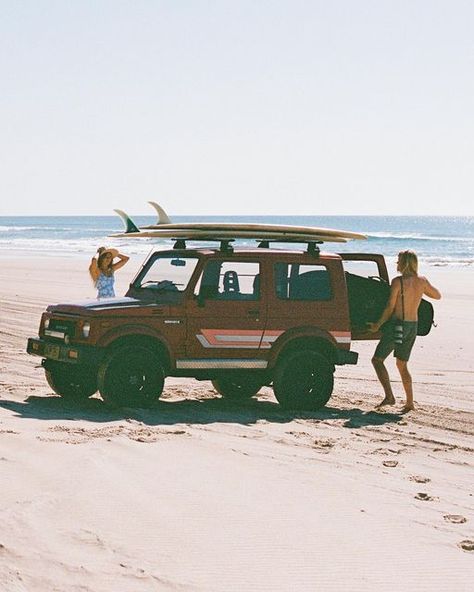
[(392, 341)]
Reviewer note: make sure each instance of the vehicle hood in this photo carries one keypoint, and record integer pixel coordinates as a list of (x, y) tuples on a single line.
[(103, 306)]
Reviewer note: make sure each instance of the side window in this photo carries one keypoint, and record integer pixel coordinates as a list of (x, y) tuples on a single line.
[(229, 280), (302, 282)]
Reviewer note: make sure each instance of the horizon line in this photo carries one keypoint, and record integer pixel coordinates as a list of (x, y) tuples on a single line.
[(243, 215)]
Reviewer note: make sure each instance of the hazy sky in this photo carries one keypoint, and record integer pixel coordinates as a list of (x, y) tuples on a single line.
[(237, 107)]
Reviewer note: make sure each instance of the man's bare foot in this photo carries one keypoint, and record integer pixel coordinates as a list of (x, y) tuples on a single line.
[(387, 401), (407, 408)]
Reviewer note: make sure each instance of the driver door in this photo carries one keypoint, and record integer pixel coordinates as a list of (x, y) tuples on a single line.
[(226, 317)]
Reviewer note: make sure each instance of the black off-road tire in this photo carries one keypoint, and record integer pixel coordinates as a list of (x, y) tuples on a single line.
[(131, 376), (71, 382), (237, 387), (303, 380)]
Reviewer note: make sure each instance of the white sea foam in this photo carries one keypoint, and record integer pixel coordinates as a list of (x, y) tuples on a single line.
[(420, 237), (27, 228), (75, 246), (448, 261)]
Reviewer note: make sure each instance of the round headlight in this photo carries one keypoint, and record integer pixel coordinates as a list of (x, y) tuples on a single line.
[(46, 323), (66, 339), (86, 329)]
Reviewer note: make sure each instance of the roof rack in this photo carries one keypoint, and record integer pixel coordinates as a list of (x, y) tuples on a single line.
[(227, 247)]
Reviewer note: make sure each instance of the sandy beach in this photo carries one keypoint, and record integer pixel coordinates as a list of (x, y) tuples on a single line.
[(197, 494)]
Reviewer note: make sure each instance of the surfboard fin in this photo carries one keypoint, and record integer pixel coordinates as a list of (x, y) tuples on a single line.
[(163, 217), (130, 225)]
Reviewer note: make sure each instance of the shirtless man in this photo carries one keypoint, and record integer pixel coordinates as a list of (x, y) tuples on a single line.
[(406, 292)]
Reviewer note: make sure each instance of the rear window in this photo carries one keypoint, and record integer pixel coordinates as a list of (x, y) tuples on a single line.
[(302, 282), (363, 268)]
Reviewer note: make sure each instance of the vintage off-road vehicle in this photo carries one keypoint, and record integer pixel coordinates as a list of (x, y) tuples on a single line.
[(242, 318)]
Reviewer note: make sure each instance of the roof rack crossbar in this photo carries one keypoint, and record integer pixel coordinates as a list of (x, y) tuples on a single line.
[(226, 247), (313, 248)]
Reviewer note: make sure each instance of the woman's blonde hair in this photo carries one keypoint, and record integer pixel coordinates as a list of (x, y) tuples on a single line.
[(408, 262)]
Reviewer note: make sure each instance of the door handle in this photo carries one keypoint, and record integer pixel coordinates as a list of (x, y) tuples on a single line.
[(253, 313)]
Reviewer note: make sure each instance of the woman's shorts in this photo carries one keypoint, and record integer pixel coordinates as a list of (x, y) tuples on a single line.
[(392, 341)]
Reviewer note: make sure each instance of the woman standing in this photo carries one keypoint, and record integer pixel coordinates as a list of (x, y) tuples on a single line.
[(102, 269)]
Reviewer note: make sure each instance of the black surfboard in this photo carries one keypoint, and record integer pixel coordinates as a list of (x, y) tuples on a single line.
[(368, 298)]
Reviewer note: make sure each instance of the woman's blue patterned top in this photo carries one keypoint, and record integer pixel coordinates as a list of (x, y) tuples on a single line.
[(105, 286)]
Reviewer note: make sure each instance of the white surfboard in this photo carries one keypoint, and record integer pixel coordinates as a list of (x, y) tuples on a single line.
[(228, 231), (226, 235), (164, 222)]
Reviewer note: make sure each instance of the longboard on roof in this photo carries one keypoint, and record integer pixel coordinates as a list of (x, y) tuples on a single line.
[(216, 235), (257, 229), (165, 222), (164, 228)]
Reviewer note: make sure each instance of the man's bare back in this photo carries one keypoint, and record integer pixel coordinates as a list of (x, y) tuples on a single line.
[(414, 288)]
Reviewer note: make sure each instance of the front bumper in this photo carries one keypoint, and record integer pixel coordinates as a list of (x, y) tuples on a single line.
[(60, 352)]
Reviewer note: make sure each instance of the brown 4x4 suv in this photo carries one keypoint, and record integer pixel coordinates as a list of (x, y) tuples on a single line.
[(242, 318)]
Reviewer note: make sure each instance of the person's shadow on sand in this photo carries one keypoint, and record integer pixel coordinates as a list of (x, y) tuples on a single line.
[(190, 411)]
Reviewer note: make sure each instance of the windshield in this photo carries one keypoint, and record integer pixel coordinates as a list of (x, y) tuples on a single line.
[(167, 273)]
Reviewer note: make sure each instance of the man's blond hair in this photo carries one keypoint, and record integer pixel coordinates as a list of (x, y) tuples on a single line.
[(408, 262)]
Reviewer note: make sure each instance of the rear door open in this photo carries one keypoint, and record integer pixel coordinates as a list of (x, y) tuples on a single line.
[(368, 289)]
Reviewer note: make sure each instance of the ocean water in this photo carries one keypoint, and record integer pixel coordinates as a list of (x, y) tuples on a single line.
[(439, 241)]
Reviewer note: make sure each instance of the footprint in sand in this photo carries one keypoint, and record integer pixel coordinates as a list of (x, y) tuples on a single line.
[(324, 444), (455, 518), (390, 463), (424, 497), (467, 545), (90, 538), (299, 434), (387, 451), (419, 479)]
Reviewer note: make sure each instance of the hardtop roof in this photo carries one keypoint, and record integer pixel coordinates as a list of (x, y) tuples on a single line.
[(271, 252)]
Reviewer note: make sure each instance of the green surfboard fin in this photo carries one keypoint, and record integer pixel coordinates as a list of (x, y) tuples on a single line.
[(130, 225)]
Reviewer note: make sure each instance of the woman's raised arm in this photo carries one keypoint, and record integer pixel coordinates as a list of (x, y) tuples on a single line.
[(122, 260)]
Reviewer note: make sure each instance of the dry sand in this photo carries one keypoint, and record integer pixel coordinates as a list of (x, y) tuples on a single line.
[(199, 494)]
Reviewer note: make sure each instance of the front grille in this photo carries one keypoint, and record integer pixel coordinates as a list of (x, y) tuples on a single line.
[(62, 325), (59, 328)]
